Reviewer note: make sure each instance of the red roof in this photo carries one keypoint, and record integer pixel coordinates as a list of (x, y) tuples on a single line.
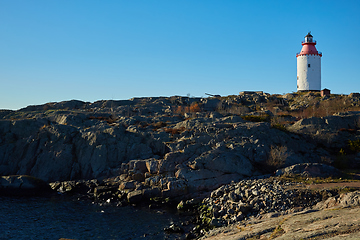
[(308, 48)]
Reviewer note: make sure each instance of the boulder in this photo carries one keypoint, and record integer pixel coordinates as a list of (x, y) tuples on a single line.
[(138, 166), (151, 192), (152, 165), (195, 175), (104, 192), (225, 162), (212, 183), (135, 197), (175, 189), (170, 160), (345, 200), (309, 170), (210, 104), (127, 185)]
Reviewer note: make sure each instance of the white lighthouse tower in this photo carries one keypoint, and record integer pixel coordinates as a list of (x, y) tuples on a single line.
[(309, 66)]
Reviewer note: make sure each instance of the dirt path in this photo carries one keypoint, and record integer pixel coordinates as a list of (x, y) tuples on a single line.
[(320, 186)]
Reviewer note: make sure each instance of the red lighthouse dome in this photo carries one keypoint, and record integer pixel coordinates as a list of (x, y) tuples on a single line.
[(308, 47)]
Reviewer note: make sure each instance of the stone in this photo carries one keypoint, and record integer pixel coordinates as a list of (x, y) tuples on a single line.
[(101, 189), (239, 217), (226, 162), (151, 192), (245, 208), (170, 160), (138, 166), (345, 200), (135, 197), (138, 176), (216, 222), (173, 229), (152, 166), (233, 196), (127, 185), (175, 188)]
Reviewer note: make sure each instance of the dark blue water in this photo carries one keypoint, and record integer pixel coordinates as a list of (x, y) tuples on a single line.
[(55, 218)]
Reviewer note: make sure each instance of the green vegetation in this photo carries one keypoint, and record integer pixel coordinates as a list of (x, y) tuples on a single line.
[(205, 217), (278, 230), (277, 157), (354, 145), (346, 176), (174, 131), (280, 127), (341, 161)]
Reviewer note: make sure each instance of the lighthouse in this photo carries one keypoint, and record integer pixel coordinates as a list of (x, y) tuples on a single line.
[(308, 66)]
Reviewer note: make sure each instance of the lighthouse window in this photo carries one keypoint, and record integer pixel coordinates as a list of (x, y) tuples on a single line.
[(308, 65)]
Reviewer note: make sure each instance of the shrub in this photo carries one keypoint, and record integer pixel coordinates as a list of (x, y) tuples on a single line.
[(194, 107), (252, 118), (174, 131), (234, 108), (354, 145), (341, 161), (158, 125), (323, 108), (182, 109), (43, 127), (279, 126), (277, 157), (278, 123), (109, 120)]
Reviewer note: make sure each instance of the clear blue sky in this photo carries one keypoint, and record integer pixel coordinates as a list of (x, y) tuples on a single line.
[(91, 50)]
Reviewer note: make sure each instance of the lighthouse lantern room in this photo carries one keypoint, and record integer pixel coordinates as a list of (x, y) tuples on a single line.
[(309, 66)]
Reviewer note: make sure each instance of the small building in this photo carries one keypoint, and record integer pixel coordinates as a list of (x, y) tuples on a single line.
[(325, 92)]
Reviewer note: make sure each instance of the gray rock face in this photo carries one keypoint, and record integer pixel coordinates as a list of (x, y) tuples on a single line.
[(333, 131), (148, 139), (54, 152), (226, 162)]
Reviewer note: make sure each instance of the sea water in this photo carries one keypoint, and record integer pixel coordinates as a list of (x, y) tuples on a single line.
[(55, 218)]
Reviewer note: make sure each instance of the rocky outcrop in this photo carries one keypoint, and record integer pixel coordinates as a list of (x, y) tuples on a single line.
[(333, 131), (54, 151), (178, 145), (19, 185), (176, 148)]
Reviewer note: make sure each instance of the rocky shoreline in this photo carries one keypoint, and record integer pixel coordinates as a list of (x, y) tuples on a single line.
[(221, 158), (232, 205)]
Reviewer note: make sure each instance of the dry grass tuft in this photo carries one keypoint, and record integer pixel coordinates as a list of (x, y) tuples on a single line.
[(277, 157)]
